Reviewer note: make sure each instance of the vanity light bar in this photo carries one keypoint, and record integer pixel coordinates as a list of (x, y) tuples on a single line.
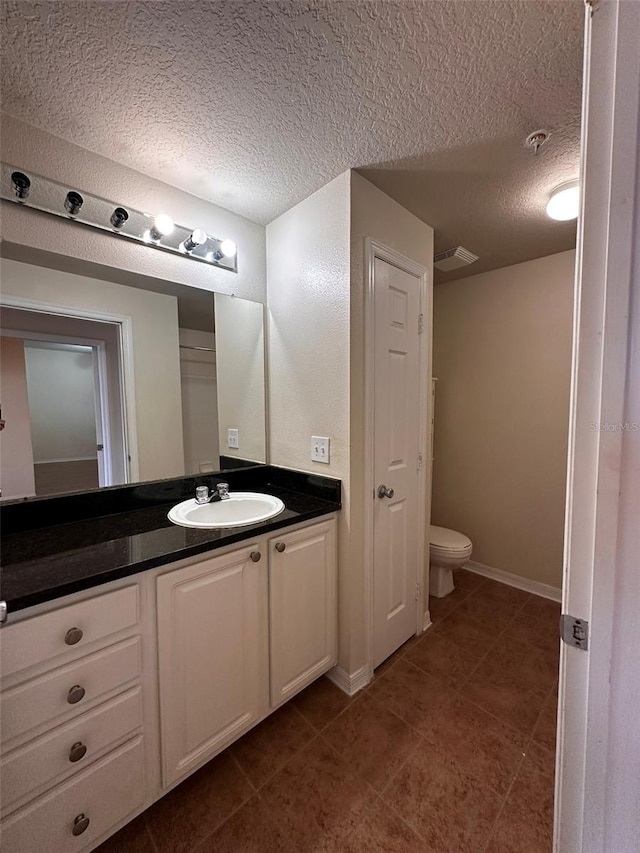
[(157, 232)]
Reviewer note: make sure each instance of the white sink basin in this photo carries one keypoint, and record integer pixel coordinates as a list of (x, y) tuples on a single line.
[(238, 509)]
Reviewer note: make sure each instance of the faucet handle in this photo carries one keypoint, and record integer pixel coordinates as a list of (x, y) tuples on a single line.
[(202, 494), (223, 490)]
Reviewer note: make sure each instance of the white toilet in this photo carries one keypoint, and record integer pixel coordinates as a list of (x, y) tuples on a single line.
[(449, 550)]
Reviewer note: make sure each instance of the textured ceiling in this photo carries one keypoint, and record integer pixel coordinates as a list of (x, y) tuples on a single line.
[(254, 105)]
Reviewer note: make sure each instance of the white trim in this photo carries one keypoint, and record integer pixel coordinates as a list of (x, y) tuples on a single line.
[(124, 324), (349, 683), (426, 622), (373, 250), (545, 590)]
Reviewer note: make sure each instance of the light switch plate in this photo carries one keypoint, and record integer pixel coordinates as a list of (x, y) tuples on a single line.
[(233, 439), (319, 448)]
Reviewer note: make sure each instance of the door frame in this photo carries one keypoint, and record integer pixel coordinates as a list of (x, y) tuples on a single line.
[(124, 325), (596, 781), (378, 251)]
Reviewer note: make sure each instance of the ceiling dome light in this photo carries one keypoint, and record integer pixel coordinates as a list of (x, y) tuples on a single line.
[(228, 248), (162, 226), (564, 203)]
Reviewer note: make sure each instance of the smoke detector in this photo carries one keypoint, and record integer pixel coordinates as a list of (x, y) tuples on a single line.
[(453, 259)]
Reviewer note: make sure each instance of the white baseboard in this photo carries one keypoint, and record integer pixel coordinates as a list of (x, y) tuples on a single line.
[(535, 587), (426, 621), (349, 683)]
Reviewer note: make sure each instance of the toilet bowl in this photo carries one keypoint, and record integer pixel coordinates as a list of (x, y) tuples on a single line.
[(448, 550)]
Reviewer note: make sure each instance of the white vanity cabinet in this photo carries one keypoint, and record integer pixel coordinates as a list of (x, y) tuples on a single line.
[(213, 655), (302, 608), (112, 696)]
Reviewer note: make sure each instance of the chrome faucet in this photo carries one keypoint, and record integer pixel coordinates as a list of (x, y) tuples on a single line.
[(219, 492)]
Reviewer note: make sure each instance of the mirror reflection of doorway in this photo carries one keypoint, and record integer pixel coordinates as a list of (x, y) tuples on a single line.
[(61, 404)]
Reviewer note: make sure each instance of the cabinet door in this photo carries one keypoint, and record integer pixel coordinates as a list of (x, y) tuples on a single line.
[(213, 656), (303, 608)]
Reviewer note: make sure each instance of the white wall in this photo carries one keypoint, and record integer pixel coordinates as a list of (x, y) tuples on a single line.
[(502, 355), (34, 150), (308, 269), (315, 280), (154, 319), (62, 404), (240, 357), (17, 477)]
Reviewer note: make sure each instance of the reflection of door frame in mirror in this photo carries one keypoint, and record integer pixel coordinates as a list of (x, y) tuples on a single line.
[(124, 328), (106, 476)]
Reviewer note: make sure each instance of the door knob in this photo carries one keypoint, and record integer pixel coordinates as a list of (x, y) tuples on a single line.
[(280, 546), (384, 492), (255, 556)]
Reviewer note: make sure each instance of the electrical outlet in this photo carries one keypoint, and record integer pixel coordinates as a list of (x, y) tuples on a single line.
[(319, 449), (233, 439)]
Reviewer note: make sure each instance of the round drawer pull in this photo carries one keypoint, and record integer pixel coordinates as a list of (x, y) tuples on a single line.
[(75, 694), (255, 556), (80, 824), (77, 751), (73, 636), (280, 546)]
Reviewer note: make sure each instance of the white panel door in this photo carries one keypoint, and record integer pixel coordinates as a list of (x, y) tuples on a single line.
[(213, 656), (303, 608), (396, 448)]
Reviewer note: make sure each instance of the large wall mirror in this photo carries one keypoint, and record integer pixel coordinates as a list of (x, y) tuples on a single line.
[(104, 384)]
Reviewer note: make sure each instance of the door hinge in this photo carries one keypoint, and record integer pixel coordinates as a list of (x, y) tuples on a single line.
[(420, 323), (419, 461), (574, 631), (417, 592)]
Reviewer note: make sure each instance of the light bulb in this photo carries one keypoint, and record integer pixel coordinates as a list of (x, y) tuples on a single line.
[(228, 248), (564, 203), (196, 238), (162, 226)]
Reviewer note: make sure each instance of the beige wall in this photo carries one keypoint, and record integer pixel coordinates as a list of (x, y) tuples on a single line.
[(35, 150), (156, 363), (373, 214), (15, 439), (240, 369), (502, 355)]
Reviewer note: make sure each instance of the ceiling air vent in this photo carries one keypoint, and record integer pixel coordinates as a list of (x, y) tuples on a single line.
[(453, 259)]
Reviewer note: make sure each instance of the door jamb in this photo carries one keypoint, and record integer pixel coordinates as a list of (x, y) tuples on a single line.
[(375, 250)]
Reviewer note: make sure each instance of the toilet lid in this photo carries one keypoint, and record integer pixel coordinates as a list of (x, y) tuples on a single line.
[(451, 540)]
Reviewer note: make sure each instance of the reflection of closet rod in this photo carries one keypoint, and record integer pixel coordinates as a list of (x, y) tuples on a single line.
[(200, 349)]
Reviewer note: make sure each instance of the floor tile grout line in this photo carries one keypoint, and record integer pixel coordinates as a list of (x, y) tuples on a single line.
[(241, 768), (149, 833), (255, 792)]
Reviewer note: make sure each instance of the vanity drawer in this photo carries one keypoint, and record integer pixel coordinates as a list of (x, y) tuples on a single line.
[(68, 749), (103, 795), (67, 691), (67, 629)]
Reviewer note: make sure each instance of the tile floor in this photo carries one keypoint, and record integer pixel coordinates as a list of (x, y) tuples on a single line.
[(448, 750)]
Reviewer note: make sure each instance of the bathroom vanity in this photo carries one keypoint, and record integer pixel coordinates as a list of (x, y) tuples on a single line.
[(128, 662)]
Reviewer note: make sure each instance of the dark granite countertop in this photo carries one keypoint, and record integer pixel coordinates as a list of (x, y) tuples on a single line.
[(40, 563)]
